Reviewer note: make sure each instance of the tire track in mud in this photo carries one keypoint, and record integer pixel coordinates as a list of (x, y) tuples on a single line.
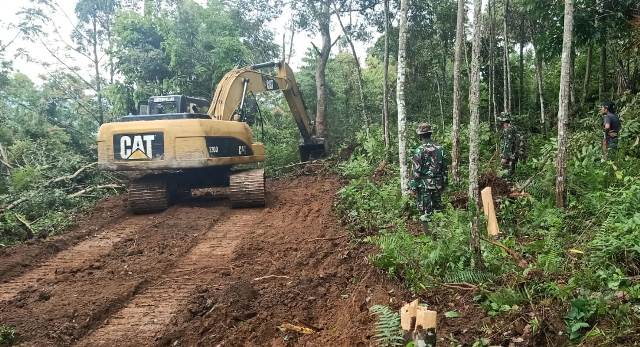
[(147, 315), (84, 252)]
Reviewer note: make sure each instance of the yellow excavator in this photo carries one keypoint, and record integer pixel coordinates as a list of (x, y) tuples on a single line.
[(172, 146)]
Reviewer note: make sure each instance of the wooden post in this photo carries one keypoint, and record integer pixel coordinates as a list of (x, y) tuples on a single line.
[(408, 315), (419, 324), (425, 332), (490, 212)]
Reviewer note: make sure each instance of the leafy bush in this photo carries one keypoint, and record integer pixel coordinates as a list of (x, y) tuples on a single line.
[(502, 300), (7, 335)]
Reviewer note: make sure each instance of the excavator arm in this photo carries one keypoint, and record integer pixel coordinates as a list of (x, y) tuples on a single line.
[(231, 93)]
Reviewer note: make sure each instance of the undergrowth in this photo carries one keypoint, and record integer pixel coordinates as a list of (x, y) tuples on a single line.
[(7, 335), (388, 332), (583, 262)]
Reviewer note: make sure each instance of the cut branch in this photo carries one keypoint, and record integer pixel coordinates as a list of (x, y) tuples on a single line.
[(270, 276), (516, 257), (26, 224), (72, 176), (89, 189)]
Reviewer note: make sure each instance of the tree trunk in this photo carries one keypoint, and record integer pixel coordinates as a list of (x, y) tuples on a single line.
[(385, 94), (402, 112), (492, 58), (603, 71), (96, 63), (572, 72), (324, 19), (365, 116), (474, 140), (507, 67), (563, 101), (457, 61), (112, 67), (440, 101), (540, 83), (293, 32), (587, 74), (521, 67), (284, 47)]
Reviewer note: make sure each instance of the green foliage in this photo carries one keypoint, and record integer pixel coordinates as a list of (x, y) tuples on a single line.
[(387, 331), (468, 276), (40, 152), (581, 310), (502, 300), (7, 335)]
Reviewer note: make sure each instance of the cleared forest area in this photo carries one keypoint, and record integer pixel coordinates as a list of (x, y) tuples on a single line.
[(341, 245)]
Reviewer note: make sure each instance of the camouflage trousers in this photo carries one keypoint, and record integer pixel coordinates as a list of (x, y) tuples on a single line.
[(427, 201), (509, 165)]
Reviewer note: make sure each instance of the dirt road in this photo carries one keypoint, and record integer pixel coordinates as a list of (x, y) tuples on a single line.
[(198, 274)]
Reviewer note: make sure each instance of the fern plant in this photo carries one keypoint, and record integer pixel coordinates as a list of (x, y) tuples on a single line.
[(388, 331), (468, 276)]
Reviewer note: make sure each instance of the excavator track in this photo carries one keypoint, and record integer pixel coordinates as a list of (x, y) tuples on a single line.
[(246, 189), (148, 194)]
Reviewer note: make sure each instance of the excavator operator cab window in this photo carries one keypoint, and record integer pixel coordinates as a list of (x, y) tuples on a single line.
[(163, 105), (196, 105)]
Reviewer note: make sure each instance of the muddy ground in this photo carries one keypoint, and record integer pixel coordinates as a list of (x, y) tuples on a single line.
[(199, 273), (203, 274)]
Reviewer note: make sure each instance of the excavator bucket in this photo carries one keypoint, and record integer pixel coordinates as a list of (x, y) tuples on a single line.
[(312, 151)]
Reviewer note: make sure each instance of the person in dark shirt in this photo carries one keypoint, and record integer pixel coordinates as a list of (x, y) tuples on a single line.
[(611, 128)]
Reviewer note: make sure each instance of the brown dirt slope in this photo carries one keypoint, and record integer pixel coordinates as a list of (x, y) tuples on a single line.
[(199, 273)]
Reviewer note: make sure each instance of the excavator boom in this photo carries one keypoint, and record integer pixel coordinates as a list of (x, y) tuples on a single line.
[(231, 92)]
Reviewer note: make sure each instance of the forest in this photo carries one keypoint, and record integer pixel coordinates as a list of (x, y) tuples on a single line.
[(568, 256)]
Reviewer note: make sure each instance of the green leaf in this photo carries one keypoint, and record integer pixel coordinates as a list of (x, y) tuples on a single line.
[(452, 314)]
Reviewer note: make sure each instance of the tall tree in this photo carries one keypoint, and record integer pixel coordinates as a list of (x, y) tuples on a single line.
[(506, 69), (492, 61), (385, 93), (540, 82), (347, 35), (602, 87), (474, 139), (521, 64), (316, 16), (457, 61), (587, 73), (400, 96), (563, 102)]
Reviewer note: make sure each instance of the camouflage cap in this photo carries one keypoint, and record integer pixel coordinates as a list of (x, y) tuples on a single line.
[(424, 128), (504, 117)]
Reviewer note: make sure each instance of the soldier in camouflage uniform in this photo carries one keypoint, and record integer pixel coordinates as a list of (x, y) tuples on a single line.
[(511, 144), (429, 174)]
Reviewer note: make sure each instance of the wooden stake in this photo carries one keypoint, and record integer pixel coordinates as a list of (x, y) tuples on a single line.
[(490, 212), (408, 315), (425, 331)]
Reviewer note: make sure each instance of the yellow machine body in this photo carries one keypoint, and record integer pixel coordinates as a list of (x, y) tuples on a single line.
[(184, 145), (174, 146)]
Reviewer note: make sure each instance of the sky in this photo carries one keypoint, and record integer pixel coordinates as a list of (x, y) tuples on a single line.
[(65, 17)]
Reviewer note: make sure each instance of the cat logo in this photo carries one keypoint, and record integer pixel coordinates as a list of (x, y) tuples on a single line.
[(139, 146)]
